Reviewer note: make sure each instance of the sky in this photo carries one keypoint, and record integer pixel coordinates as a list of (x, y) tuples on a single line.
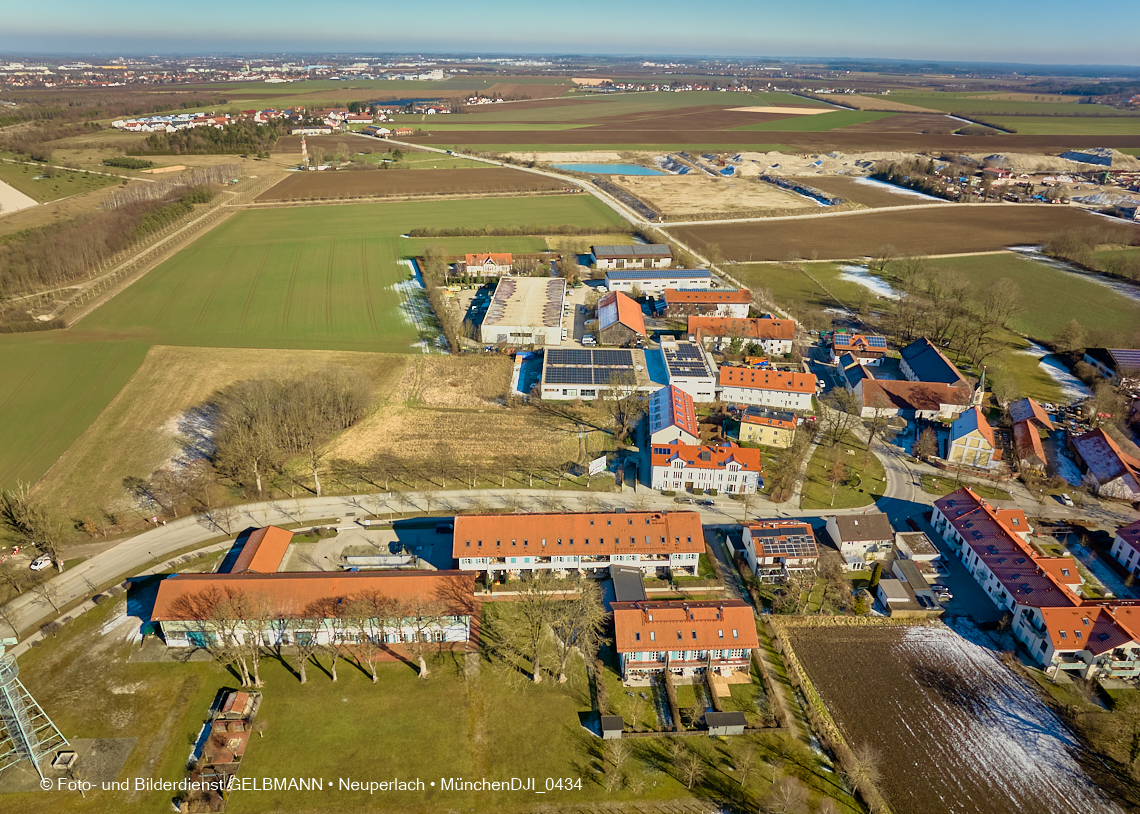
[(1047, 32)]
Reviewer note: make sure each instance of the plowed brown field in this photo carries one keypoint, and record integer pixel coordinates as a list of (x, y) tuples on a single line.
[(868, 195), (933, 229), (958, 732), (388, 183)]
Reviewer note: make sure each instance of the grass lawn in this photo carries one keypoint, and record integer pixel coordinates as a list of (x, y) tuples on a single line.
[(936, 485), (801, 286), (866, 478), (819, 123), (29, 179)]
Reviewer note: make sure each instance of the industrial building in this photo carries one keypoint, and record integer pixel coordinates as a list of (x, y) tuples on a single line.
[(573, 373), (655, 282), (525, 311), (635, 256)]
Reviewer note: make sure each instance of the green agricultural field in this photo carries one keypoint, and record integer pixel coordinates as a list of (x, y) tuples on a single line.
[(30, 180), (646, 146), (307, 277), (1070, 125), (802, 286), (818, 123), (970, 104)]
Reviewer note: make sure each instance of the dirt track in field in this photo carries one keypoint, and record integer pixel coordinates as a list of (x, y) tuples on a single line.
[(383, 183), (934, 229)]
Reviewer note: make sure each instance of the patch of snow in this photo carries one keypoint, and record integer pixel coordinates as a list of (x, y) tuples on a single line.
[(860, 275), (123, 626), (914, 193), (1072, 387), (416, 310), (1062, 462), (1121, 287)]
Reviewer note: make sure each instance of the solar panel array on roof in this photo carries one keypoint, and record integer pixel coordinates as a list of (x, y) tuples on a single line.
[(585, 366), (1127, 359), (685, 360), (658, 274), (876, 342)]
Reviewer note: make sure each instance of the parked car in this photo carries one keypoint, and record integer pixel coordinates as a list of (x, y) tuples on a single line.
[(705, 503), (945, 596), (938, 588), (41, 562), (682, 500), (1065, 499)]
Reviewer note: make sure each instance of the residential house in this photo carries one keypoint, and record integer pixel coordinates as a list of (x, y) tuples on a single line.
[(772, 428), (579, 542), (727, 468), (1126, 548), (620, 320), (923, 362), (866, 349), (860, 536), (915, 545), (689, 368), (1108, 469), (655, 282), (718, 302), (972, 441), (774, 336), (635, 256), (488, 265), (685, 638), (909, 400), (303, 604), (777, 549), (672, 418), (766, 387), (1092, 640)]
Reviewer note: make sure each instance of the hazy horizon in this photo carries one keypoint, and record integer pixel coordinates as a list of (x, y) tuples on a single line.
[(1017, 32)]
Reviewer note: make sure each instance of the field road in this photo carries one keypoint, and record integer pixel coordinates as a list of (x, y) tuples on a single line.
[(845, 213)]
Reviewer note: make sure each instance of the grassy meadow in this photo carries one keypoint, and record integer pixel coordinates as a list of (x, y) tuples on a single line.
[(30, 180)]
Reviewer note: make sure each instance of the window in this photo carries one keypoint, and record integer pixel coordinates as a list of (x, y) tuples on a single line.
[(1064, 635), (694, 635), (734, 634), (680, 635), (652, 634), (720, 634), (637, 636), (1077, 633), (1086, 621)]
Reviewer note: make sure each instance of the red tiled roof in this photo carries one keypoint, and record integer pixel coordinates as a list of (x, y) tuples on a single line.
[(1027, 409), (752, 328), (975, 415), (263, 551), (701, 457), (904, 395), (180, 596), (767, 420), (585, 533), (1028, 441), (718, 296), (677, 409), (620, 308), (1085, 628), (698, 625), (485, 258), (784, 381)]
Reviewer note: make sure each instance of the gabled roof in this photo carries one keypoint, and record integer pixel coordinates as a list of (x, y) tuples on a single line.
[(768, 418), (701, 457), (1028, 441), (860, 343), (887, 394), (634, 251), (864, 528), (659, 274), (577, 533), (750, 328), (930, 364), (969, 421), (1130, 534), (784, 381), (617, 307), (1085, 628), (1027, 409), (490, 258), (1104, 458), (718, 296), (698, 625), (185, 596), (783, 539), (673, 407), (263, 551)]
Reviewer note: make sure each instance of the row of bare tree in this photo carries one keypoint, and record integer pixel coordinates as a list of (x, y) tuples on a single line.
[(202, 176)]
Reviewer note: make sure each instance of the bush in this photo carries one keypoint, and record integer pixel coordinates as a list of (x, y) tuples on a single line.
[(128, 163)]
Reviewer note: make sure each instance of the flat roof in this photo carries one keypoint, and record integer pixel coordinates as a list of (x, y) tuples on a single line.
[(527, 301), (686, 360), (594, 367), (659, 274)]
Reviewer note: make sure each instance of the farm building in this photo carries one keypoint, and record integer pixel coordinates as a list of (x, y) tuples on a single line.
[(672, 417), (685, 638), (727, 468), (376, 131), (1126, 548), (525, 311), (620, 321), (487, 265), (637, 256), (775, 550), (689, 369), (717, 302), (587, 373), (654, 283), (1029, 421), (261, 551), (923, 362), (774, 336), (865, 349), (972, 441), (860, 537), (909, 400), (767, 387), (1108, 469), (191, 609), (772, 428), (666, 543), (1114, 363)]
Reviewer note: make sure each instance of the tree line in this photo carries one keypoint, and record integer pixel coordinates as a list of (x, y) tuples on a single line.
[(239, 137), (219, 174)]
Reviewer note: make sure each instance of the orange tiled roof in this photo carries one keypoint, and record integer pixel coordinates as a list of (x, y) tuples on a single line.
[(1028, 441), (767, 421), (485, 258), (700, 457), (582, 533), (1085, 628), (698, 625), (766, 379), (677, 409), (740, 296), (627, 312), (182, 596), (263, 551), (1027, 409), (752, 328), (889, 394)]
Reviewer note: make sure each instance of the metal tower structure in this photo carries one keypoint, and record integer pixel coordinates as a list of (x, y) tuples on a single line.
[(26, 732)]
